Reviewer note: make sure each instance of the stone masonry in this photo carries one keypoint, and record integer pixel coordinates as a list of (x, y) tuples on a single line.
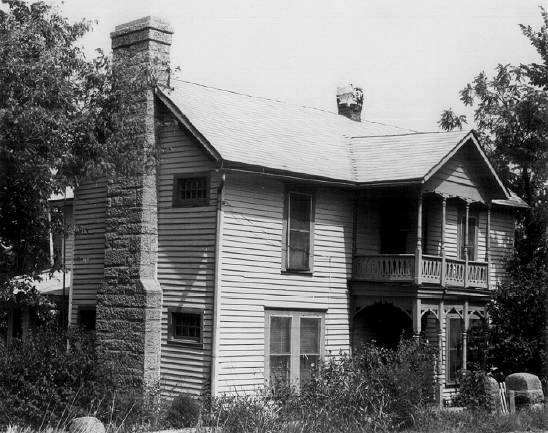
[(129, 302)]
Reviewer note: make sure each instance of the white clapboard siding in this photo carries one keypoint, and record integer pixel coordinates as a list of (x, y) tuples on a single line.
[(186, 259), (252, 279), (69, 238), (502, 243), (89, 244)]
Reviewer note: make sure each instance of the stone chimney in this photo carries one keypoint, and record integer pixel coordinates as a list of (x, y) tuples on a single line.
[(350, 102), (129, 302)]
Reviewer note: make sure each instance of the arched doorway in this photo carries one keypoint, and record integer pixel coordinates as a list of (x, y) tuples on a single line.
[(383, 323)]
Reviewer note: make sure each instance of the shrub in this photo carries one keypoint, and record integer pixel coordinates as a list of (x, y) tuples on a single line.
[(474, 391), (183, 412), (375, 389)]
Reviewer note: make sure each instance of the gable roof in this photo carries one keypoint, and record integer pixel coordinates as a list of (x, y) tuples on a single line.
[(242, 130)]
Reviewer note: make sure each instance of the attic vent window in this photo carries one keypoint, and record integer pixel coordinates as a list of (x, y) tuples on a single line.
[(191, 190)]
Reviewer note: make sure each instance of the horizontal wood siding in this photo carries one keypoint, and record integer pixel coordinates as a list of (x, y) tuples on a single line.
[(186, 259), (252, 279), (89, 244), (465, 175), (502, 243), (69, 238)]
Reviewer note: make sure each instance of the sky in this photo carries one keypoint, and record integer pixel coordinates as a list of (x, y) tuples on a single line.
[(410, 57)]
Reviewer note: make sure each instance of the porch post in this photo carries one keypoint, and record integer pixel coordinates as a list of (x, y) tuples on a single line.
[(418, 251), (416, 310), (465, 335), (441, 369), (488, 246), (466, 246), (443, 217)]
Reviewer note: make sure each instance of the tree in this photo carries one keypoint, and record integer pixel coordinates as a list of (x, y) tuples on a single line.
[(62, 118), (511, 114)]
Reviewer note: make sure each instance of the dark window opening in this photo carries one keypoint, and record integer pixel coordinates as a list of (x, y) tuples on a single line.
[(191, 191), (395, 228), (454, 347), (186, 326), (299, 226), (87, 318), (472, 236)]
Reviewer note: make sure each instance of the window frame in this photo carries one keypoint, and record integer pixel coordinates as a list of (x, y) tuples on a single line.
[(461, 233), (448, 378), (287, 230), (295, 336), (176, 187), (171, 338)]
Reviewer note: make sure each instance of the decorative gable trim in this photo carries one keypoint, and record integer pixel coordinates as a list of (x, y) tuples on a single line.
[(471, 136)]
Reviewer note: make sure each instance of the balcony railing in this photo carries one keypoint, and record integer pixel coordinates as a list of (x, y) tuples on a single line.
[(401, 268)]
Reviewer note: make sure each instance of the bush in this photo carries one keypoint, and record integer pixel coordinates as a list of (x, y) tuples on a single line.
[(52, 376), (375, 389), (183, 412), (474, 391), (518, 320)]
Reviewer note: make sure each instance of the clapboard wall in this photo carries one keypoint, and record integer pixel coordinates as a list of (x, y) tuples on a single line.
[(186, 257), (252, 278), (502, 243), (89, 245)]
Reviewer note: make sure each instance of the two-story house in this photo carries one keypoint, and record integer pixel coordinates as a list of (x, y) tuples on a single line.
[(270, 236)]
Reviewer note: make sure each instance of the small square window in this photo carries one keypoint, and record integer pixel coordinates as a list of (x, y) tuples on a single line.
[(185, 325), (87, 318), (191, 190)]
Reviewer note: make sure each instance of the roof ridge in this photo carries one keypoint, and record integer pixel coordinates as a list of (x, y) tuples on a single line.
[(323, 110), (254, 96), (409, 133)]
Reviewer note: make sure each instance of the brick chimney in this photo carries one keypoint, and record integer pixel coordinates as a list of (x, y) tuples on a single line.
[(129, 302), (350, 102)]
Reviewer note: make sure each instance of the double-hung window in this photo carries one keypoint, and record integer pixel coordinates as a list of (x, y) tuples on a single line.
[(472, 236), (454, 346), (299, 231), (293, 347)]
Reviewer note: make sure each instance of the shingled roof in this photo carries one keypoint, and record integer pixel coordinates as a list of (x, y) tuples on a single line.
[(274, 135)]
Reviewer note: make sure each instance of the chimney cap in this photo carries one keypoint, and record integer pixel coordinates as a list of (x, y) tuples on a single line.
[(149, 22), (143, 29)]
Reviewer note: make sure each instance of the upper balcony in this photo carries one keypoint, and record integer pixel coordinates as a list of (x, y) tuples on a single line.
[(433, 270), (404, 236)]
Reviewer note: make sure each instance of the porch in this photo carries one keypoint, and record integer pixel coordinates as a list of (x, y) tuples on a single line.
[(406, 235)]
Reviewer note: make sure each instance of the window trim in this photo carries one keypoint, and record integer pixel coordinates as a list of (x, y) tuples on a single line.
[(171, 326), (286, 229), (448, 379), (460, 234), (176, 202), (295, 351)]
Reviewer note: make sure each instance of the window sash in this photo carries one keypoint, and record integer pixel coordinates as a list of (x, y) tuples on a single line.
[(454, 347), (299, 231), (191, 190), (472, 237), (302, 354), (185, 325)]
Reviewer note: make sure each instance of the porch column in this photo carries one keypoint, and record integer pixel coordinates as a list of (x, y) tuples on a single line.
[(418, 251), (488, 246), (466, 246), (441, 370), (442, 247), (465, 335), (416, 310)]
